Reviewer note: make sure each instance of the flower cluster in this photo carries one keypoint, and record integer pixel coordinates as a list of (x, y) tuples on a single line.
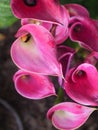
[(40, 51)]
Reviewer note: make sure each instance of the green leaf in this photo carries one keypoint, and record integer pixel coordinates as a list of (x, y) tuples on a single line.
[(6, 16)]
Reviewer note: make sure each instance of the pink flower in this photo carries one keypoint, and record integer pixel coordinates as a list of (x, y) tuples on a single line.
[(59, 32), (33, 86), (85, 32), (45, 24), (82, 84), (68, 115), (55, 18), (82, 28), (43, 10), (76, 10), (39, 51), (34, 51)]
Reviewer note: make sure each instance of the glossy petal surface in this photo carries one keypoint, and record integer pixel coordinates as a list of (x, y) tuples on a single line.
[(35, 51), (33, 86), (69, 116), (82, 84)]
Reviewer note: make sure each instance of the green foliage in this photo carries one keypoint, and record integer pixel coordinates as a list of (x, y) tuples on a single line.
[(6, 16)]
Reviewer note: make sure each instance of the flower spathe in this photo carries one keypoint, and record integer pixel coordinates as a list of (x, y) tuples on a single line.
[(40, 51), (33, 86), (84, 30), (60, 33), (35, 51), (55, 14), (68, 115), (82, 84), (76, 10)]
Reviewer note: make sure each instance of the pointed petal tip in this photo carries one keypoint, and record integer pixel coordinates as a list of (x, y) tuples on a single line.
[(33, 86), (69, 116)]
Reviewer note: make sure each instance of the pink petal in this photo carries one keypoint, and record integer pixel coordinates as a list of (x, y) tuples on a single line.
[(59, 32), (68, 115), (65, 55), (35, 51), (82, 84), (47, 10), (76, 10), (25, 21), (85, 31), (33, 86)]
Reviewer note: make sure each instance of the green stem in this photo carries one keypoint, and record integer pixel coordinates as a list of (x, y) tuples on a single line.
[(60, 96)]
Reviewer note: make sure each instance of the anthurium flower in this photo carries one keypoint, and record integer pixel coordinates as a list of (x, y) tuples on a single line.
[(47, 10), (68, 115), (33, 86), (76, 10), (82, 84), (85, 31), (35, 51)]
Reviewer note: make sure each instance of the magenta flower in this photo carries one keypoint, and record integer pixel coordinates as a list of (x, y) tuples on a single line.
[(82, 28), (84, 31), (60, 33), (82, 84), (68, 115), (76, 10), (35, 51), (40, 50), (25, 21), (43, 10), (55, 19), (33, 86)]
